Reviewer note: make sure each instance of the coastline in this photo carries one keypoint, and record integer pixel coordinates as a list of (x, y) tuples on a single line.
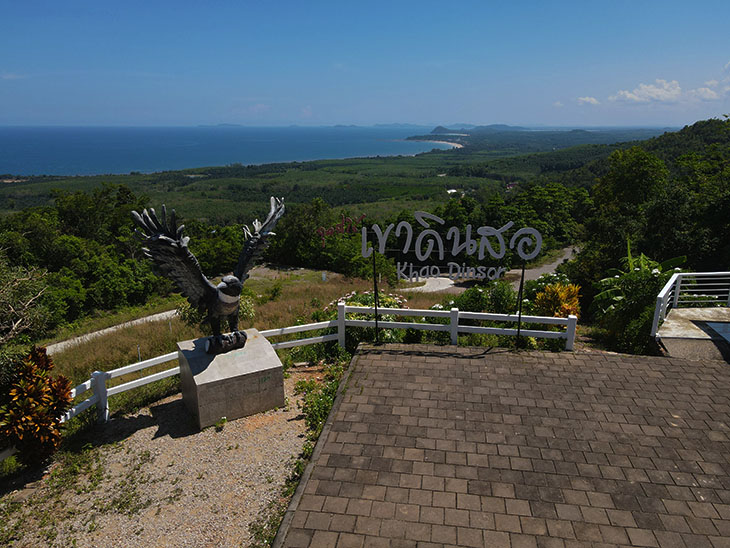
[(107, 151), (454, 145)]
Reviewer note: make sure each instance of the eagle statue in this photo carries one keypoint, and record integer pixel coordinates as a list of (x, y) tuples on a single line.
[(168, 249)]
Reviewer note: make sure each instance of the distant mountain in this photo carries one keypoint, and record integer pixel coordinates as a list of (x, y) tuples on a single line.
[(400, 126), (498, 127), (463, 126), (220, 125), (472, 129)]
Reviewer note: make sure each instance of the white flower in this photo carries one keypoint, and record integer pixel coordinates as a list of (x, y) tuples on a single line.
[(655, 271)]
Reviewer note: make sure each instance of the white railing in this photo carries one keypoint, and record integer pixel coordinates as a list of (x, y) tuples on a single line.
[(454, 327), (691, 289), (98, 381)]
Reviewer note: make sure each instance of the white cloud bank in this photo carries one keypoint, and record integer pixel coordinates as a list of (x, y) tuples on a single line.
[(663, 91), (588, 101)]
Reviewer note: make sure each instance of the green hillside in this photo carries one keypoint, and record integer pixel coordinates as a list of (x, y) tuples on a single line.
[(666, 196)]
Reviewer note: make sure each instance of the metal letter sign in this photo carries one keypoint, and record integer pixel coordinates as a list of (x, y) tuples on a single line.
[(527, 242)]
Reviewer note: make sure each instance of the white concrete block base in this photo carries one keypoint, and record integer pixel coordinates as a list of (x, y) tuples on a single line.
[(233, 385)]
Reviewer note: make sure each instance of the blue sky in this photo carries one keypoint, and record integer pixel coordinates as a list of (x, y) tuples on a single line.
[(311, 63)]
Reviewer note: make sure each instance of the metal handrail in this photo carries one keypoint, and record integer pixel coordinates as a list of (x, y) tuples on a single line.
[(687, 288)]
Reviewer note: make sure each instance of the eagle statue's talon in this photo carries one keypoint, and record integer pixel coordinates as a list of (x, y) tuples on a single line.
[(168, 249), (218, 344)]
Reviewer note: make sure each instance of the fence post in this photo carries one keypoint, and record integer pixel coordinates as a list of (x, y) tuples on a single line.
[(98, 384), (341, 323), (658, 316), (454, 326), (677, 289), (570, 332)]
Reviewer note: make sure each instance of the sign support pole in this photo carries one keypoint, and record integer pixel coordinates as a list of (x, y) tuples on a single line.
[(375, 299), (519, 306)]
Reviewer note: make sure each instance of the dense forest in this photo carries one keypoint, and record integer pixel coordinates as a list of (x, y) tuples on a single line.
[(67, 247)]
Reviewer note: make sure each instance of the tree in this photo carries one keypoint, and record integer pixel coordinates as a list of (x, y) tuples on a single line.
[(21, 311)]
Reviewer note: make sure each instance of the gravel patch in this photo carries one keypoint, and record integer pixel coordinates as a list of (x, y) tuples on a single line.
[(164, 483)]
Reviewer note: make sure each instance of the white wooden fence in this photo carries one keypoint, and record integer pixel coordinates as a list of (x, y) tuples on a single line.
[(98, 381), (691, 289)]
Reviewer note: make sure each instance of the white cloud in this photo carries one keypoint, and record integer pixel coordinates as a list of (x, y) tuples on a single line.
[(705, 94), (662, 91), (588, 101), (11, 76), (711, 83), (727, 66), (557, 104)]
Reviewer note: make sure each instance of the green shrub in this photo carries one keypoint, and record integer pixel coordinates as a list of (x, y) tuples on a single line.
[(31, 419), (626, 306), (320, 396), (474, 299), (502, 298)]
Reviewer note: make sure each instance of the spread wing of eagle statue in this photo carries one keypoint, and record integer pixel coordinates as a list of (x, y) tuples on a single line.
[(168, 249)]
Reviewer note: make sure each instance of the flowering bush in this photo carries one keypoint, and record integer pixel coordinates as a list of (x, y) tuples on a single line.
[(355, 335), (533, 287), (558, 300)]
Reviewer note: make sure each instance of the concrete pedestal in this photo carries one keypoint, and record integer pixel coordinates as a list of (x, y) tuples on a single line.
[(232, 385)]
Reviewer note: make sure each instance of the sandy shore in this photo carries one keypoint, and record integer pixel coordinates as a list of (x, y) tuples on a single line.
[(455, 145)]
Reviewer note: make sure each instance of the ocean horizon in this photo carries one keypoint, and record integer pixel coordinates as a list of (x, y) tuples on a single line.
[(81, 150)]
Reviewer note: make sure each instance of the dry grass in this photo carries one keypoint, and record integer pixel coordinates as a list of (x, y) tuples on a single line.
[(301, 294), (102, 320)]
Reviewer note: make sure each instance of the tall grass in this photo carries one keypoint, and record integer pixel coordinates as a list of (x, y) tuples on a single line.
[(102, 320)]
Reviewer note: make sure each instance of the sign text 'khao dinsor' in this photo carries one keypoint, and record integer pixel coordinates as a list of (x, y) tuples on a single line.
[(484, 241)]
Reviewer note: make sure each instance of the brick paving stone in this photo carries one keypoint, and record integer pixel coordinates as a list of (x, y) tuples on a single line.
[(442, 446)]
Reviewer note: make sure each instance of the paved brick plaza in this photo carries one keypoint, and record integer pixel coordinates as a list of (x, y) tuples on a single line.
[(437, 446)]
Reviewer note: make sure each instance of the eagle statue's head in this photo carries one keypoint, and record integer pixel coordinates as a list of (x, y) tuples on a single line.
[(230, 286)]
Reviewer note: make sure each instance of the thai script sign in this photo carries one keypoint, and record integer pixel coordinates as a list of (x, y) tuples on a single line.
[(491, 241)]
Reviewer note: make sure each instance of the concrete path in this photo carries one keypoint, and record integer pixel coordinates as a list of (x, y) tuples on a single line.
[(446, 285), (534, 273), (442, 446), (63, 345), (433, 285), (697, 333)]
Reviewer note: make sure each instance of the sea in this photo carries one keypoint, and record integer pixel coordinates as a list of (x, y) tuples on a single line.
[(117, 150)]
